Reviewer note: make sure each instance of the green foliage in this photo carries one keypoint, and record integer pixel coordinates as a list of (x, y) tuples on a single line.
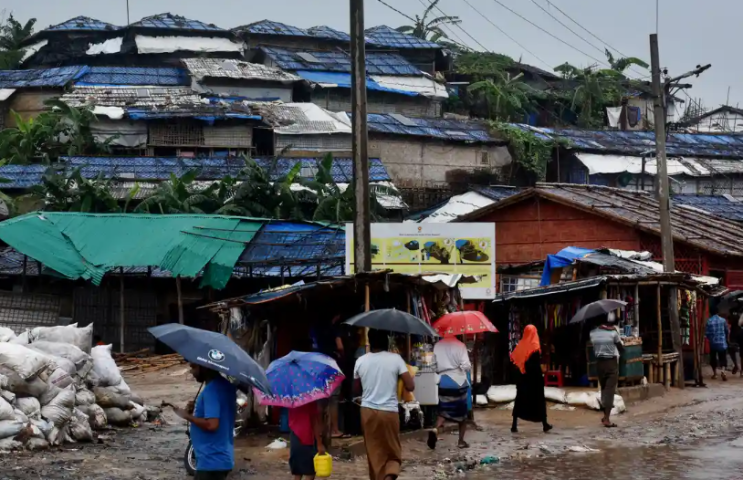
[(507, 98), (483, 64), (12, 34), (75, 193), (432, 29), (527, 150)]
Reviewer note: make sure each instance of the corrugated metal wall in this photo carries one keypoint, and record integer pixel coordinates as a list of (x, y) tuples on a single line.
[(24, 311), (339, 100), (318, 143)]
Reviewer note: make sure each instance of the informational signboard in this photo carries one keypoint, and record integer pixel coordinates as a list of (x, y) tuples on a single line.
[(466, 248)]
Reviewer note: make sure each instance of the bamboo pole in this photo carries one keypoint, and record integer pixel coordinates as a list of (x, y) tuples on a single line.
[(367, 307), (410, 349), (660, 334), (180, 299), (121, 310), (637, 308)]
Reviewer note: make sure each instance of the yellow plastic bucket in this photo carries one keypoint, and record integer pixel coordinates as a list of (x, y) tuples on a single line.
[(323, 465)]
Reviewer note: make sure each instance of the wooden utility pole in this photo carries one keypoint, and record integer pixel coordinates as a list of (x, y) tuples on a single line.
[(122, 327), (361, 226), (180, 299)]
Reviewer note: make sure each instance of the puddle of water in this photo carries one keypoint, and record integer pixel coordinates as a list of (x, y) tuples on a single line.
[(712, 459)]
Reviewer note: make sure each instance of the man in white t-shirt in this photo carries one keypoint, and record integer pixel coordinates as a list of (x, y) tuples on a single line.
[(375, 376)]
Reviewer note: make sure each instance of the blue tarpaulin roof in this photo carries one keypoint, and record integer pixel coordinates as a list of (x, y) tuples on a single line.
[(343, 80), (564, 257), (174, 22), (82, 23), (269, 27), (384, 36), (40, 77), (717, 205), (326, 32), (302, 248), (432, 127), (21, 176), (637, 143), (337, 61), (167, 76), (203, 115)]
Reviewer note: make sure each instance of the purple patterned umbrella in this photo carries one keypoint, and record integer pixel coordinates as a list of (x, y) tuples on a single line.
[(300, 378)]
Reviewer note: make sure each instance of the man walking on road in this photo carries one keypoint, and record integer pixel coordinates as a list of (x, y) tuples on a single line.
[(717, 333), (212, 420), (375, 376)]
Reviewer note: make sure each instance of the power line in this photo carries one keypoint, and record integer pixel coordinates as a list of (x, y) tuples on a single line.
[(568, 28), (549, 33), (506, 34), (448, 27)]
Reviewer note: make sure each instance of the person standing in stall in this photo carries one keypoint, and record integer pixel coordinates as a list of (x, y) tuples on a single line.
[(453, 363), (607, 348), (329, 341), (530, 404), (375, 377)]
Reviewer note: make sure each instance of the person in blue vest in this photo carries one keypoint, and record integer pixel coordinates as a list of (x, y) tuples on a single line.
[(212, 419)]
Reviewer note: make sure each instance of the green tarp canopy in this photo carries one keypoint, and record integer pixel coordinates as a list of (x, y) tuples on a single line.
[(83, 245)]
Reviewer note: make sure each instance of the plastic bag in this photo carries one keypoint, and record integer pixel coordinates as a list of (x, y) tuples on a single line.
[(83, 396), (107, 398), (25, 362), (554, 394), (63, 350), (277, 444), (152, 412), (30, 406), (502, 393), (6, 410), (80, 429), (59, 410), (36, 444), (481, 400), (118, 417), (82, 338), (10, 428), (105, 371), (577, 399), (6, 334), (619, 406)]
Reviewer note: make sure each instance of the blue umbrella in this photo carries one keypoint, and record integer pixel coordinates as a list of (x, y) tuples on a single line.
[(300, 378), (214, 351)]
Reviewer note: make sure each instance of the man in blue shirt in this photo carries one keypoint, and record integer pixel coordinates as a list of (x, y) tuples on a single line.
[(718, 332), (212, 421)]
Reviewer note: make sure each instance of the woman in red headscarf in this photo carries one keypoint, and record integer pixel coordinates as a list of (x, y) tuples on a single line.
[(530, 404)]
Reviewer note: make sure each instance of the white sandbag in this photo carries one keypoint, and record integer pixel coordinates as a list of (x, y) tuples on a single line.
[(576, 399), (6, 410), (122, 388), (502, 393), (105, 370), (82, 338), (80, 429), (59, 410), (61, 379), (35, 444), (107, 398), (3, 381), (8, 396), (25, 362), (36, 431), (136, 398), (118, 417), (554, 394), (96, 416), (481, 400), (44, 427), (6, 334), (593, 401), (8, 444), (83, 396), (10, 428), (508, 406), (619, 406), (49, 395), (30, 406), (138, 411), (63, 350), (60, 362), (56, 436), (20, 416), (21, 339)]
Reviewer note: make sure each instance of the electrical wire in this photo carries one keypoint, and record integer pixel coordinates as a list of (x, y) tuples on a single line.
[(451, 30), (506, 34), (601, 50)]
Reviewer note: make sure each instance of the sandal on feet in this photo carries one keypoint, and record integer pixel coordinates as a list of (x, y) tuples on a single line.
[(432, 439), (463, 444), (514, 430), (546, 428)]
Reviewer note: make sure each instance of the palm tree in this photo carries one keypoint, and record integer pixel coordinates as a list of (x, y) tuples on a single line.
[(12, 34)]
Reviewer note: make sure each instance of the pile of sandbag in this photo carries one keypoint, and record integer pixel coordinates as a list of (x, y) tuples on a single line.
[(56, 388), (505, 394)]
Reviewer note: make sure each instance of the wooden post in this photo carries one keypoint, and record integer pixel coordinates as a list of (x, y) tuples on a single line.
[(637, 307), (659, 363), (367, 307), (180, 299), (410, 348), (121, 309), (23, 275)]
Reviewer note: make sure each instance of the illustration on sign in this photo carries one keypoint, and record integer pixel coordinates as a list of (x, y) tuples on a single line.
[(462, 248)]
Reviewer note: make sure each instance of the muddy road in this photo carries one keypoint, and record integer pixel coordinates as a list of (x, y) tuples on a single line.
[(694, 434)]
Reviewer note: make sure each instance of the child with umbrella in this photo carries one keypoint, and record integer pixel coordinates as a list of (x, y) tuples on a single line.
[(297, 382)]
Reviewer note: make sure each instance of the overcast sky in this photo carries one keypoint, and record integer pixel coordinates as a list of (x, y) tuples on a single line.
[(691, 31)]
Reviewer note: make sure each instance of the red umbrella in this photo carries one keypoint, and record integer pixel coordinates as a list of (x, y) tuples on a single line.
[(463, 323)]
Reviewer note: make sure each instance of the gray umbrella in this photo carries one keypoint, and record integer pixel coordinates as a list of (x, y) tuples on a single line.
[(392, 320), (595, 309), (730, 301)]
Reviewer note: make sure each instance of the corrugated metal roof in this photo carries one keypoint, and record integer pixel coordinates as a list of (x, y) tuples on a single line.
[(718, 205), (21, 176), (323, 31), (268, 27), (170, 21), (337, 61), (218, 68), (384, 36), (131, 96), (637, 143), (344, 80), (41, 77), (691, 166), (496, 192), (166, 76), (82, 23), (445, 129)]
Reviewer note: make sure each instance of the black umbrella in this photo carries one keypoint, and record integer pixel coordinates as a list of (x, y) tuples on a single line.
[(730, 301), (214, 351), (600, 307), (393, 320)]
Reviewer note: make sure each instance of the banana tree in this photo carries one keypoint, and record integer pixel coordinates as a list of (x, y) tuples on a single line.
[(506, 98), (12, 34), (177, 195)]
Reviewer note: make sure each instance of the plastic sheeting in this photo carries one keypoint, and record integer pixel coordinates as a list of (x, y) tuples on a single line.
[(5, 93), (112, 45), (412, 85), (147, 44), (563, 258), (343, 80), (125, 134), (31, 50), (457, 206)]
